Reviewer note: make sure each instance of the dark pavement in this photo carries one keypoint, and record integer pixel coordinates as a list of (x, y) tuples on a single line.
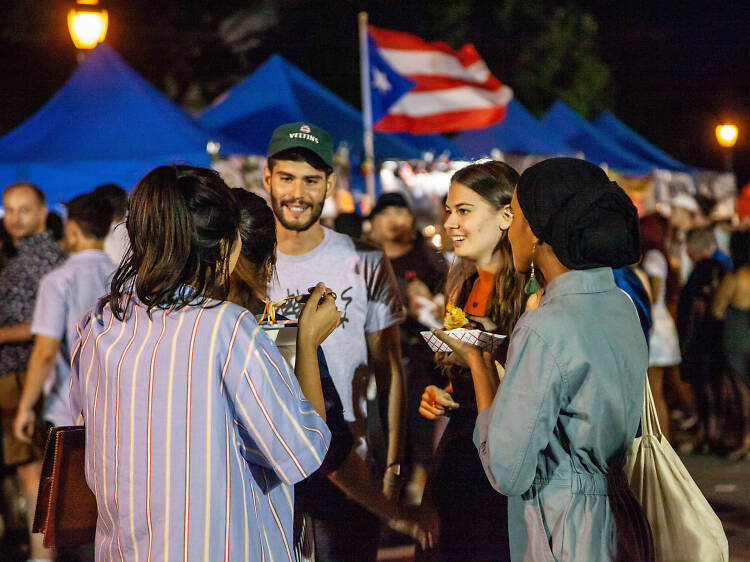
[(726, 486)]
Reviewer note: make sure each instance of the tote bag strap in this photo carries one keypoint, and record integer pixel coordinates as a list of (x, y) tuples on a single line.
[(649, 419)]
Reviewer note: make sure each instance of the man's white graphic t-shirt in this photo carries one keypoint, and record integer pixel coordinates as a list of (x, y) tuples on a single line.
[(367, 295)]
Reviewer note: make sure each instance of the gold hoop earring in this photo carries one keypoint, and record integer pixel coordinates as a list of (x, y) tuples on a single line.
[(532, 285)]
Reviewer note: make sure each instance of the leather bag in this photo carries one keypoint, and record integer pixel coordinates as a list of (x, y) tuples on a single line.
[(65, 508)]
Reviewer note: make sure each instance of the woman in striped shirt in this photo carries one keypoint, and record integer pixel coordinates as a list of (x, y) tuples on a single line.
[(196, 430)]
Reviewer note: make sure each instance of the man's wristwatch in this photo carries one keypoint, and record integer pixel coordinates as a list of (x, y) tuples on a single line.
[(394, 468)]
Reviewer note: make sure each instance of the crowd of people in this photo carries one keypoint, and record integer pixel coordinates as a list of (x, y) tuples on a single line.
[(147, 321)]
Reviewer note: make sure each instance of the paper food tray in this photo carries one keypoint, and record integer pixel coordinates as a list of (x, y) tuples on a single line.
[(281, 334), (485, 340)]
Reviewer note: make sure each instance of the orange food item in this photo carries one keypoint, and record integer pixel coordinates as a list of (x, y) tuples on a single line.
[(454, 317)]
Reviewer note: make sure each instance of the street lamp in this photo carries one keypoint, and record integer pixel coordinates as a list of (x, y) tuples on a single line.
[(87, 23), (726, 135)]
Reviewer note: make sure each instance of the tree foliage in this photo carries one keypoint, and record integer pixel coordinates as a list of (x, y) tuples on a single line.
[(545, 50), (560, 63)]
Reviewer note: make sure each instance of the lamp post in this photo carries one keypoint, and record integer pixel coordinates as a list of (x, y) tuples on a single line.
[(87, 23), (726, 135)]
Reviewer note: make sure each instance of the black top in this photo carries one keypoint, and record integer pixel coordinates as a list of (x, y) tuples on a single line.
[(421, 262), (699, 331), (36, 256)]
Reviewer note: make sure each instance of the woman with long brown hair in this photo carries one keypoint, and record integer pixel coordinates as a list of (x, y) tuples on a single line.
[(472, 516)]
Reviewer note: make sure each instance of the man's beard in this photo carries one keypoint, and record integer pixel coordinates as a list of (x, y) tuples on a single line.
[(316, 209)]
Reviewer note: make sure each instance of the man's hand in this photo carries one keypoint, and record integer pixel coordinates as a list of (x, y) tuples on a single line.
[(420, 523), (23, 425)]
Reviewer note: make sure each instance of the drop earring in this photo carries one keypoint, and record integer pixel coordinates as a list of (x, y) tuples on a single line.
[(532, 285)]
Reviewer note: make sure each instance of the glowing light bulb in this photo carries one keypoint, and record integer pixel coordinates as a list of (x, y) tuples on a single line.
[(726, 135), (87, 26)]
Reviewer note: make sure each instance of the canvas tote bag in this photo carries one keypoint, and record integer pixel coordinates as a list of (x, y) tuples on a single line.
[(684, 526)]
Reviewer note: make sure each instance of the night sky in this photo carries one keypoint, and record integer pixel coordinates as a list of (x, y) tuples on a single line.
[(677, 68)]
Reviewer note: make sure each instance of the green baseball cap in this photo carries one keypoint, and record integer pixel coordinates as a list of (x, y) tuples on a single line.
[(302, 135)]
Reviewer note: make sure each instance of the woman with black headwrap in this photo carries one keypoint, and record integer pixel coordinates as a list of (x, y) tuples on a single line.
[(554, 435)]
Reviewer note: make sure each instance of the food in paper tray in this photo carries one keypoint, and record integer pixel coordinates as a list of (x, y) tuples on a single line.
[(484, 340), (454, 317)]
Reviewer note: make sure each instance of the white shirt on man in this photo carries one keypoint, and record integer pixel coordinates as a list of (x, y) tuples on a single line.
[(367, 295), (117, 242)]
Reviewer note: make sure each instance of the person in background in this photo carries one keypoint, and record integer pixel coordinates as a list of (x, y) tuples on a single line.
[(36, 254), (299, 178), (722, 230), (196, 428), (64, 295), (684, 214), (420, 271), (7, 248), (700, 334), (116, 243), (446, 243), (664, 346), (55, 226), (349, 224), (472, 517), (732, 304), (555, 424), (634, 282)]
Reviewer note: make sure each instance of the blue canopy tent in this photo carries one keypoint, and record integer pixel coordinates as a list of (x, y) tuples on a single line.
[(519, 133), (278, 92), (596, 146), (635, 143), (106, 124)]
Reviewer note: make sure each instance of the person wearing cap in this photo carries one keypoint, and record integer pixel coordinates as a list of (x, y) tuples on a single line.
[(554, 426), (299, 177), (421, 271)]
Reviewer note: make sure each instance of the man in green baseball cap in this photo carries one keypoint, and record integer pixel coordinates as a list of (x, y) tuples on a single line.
[(302, 135), (299, 177)]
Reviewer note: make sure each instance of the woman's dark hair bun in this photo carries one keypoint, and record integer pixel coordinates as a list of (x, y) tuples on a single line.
[(182, 224)]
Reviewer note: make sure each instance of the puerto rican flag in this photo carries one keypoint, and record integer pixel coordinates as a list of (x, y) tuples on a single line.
[(452, 91)]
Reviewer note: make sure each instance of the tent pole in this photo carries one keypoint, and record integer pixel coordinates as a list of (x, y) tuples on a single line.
[(369, 146)]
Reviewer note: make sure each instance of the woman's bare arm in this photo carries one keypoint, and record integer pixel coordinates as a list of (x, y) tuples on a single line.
[(724, 295)]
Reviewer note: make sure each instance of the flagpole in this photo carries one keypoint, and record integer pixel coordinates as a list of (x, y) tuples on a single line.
[(369, 145)]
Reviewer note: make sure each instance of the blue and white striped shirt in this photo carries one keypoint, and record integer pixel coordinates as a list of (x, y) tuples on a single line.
[(196, 430)]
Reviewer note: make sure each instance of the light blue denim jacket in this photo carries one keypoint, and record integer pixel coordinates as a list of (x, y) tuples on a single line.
[(570, 401)]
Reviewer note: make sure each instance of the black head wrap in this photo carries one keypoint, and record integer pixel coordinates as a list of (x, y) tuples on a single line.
[(587, 219)]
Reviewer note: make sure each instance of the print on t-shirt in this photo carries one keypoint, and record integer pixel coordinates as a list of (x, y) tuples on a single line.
[(367, 295), (293, 309)]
